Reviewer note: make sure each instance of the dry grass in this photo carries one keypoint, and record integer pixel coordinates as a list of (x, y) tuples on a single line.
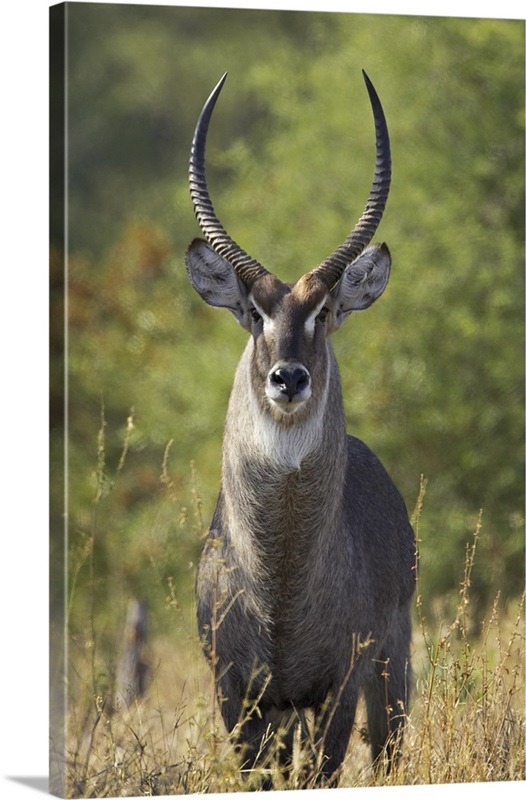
[(465, 724)]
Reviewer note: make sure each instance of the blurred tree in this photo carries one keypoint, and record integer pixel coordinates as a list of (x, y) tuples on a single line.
[(433, 374)]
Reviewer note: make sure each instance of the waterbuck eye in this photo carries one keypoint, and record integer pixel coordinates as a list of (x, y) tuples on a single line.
[(256, 316), (322, 316)]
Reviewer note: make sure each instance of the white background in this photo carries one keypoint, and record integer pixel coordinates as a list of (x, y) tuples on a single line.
[(24, 379)]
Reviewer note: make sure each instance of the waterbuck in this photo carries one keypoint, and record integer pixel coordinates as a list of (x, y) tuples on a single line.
[(306, 577)]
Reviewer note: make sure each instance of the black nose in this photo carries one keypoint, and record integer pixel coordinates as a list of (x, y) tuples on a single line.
[(290, 381)]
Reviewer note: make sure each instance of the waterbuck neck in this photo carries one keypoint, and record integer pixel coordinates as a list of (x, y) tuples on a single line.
[(282, 474), (282, 489)]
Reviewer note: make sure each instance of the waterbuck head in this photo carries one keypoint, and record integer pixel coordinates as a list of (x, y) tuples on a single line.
[(289, 323)]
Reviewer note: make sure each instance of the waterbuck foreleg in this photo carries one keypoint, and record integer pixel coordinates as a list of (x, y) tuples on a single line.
[(387, 696), (333, 730)]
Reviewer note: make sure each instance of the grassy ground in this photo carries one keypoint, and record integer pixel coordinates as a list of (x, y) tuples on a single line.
[(465, 724)]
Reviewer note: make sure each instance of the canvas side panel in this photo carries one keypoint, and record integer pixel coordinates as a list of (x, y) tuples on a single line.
[(57, 399)]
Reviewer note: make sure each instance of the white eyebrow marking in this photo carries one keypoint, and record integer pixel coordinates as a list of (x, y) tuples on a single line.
[(311, 319), (268, 322)]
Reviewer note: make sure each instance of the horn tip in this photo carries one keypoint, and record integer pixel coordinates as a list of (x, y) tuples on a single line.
[(368, 83)]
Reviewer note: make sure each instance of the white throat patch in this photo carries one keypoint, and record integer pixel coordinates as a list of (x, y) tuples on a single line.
[(285, 446)]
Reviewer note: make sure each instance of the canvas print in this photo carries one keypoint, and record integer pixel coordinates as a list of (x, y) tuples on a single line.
[(287, 400)]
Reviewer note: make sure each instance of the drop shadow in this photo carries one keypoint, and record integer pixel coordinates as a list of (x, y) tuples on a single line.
[(39, 784)]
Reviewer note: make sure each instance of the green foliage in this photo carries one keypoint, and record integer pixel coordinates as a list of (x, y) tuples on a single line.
[(433, 374)]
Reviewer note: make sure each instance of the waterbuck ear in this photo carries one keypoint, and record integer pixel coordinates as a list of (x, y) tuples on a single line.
[(362, 282), (215, 279)]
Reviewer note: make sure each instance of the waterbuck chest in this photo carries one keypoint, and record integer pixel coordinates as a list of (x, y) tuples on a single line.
[(282, 528)]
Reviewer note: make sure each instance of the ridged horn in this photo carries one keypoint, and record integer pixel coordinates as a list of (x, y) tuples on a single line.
[(331, 270), (247, 268)]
